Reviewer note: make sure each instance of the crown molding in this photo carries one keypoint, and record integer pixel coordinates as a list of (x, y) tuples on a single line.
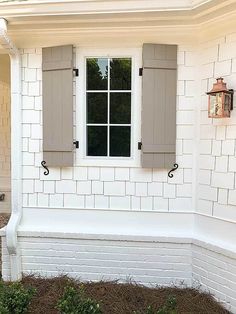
[(38, 23)]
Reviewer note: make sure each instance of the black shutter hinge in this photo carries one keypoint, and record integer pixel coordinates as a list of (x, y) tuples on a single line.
[(76, 143), (139, 145), (76, 72), (140, 71)]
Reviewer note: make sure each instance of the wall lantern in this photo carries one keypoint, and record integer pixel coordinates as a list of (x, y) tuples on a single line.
[(220, 101)]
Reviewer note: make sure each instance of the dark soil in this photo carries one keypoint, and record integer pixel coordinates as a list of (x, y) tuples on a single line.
[(115, 298)]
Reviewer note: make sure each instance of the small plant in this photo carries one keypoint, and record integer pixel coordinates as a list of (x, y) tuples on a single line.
[(14, 298), (74, 302), (168, 308)]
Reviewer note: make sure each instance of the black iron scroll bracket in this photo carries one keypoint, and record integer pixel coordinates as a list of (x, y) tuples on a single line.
[(170, 174), (43, 163)]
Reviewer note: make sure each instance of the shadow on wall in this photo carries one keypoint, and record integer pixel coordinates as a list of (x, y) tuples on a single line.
[(5, 134)]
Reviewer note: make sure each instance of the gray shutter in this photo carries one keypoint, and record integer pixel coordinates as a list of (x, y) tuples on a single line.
[(159, 105), (58, 106)]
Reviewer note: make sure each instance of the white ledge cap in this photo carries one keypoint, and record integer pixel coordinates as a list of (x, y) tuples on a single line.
[(3, 24)]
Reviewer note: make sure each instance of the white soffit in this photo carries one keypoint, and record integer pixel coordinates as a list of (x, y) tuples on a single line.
[(29, 8), (34, 22), (119, 4)]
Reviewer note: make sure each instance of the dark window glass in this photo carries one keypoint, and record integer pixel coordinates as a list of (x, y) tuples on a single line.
[(97, 72), (120, 74), (97, 141), (120, 141), (120, 108), (96, 107)]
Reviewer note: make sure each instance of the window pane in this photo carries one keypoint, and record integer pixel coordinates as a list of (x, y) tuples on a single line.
[(120, 74), (120, 141), (97, 71), (120, 108), (96, 107), (97, 141)]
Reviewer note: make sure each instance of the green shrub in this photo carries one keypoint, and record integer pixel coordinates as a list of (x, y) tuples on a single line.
[(74, 302), (168, 308), (14, 298)]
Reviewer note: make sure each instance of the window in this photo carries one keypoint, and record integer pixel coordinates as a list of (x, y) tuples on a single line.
[(108, 106)]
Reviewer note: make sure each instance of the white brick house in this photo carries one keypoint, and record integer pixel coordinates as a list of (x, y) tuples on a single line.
[(106, 215)]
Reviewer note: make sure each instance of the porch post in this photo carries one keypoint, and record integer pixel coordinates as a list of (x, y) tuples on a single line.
[(16, 153)]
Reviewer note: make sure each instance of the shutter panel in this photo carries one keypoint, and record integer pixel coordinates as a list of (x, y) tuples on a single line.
[(58, 106), (159, 105)]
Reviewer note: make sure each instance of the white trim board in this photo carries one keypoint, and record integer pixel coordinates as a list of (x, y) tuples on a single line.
[(126, 224)]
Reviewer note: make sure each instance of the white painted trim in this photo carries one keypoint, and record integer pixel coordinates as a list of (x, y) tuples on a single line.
[(64, 7), (81, 159), (130, 224), (196, 138), (16, 175)]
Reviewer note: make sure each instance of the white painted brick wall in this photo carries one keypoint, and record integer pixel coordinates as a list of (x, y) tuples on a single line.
[(215, 273), (108, 187), (145, 262)]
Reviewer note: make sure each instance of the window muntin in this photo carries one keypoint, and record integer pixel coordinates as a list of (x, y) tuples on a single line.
[(108, 107)]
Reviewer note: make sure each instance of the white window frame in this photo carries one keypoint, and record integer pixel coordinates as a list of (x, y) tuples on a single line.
[(81, 55)]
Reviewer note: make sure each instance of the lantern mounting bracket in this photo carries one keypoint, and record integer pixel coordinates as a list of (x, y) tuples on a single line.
[(232, 96)]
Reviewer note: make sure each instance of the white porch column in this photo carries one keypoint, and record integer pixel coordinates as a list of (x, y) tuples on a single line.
[(16, 152)]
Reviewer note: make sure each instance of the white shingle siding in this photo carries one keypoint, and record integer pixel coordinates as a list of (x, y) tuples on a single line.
[(124, 185), (109, 187), (98, 185), (217, 163)]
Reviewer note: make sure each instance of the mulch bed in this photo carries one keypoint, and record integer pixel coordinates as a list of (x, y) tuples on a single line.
[(115, 298), (4, 219)]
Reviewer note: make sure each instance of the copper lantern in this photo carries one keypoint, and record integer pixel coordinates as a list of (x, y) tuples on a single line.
[(220, 101)]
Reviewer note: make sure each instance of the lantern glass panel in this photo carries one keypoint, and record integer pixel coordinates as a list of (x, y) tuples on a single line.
[(227, 105), (216, 105)]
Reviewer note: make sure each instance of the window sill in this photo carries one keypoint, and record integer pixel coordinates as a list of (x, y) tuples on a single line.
[(109, 162)]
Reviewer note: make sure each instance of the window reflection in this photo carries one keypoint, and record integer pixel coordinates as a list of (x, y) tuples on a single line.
[(108, 106), (120, 108), (97, 141), (120, 141), (97, 108), (120, 72), (97, 73)]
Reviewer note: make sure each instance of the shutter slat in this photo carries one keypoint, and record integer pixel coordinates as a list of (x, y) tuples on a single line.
[(58, 105), (161, 64), (159, 105), (57, 65), (162, 148)]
